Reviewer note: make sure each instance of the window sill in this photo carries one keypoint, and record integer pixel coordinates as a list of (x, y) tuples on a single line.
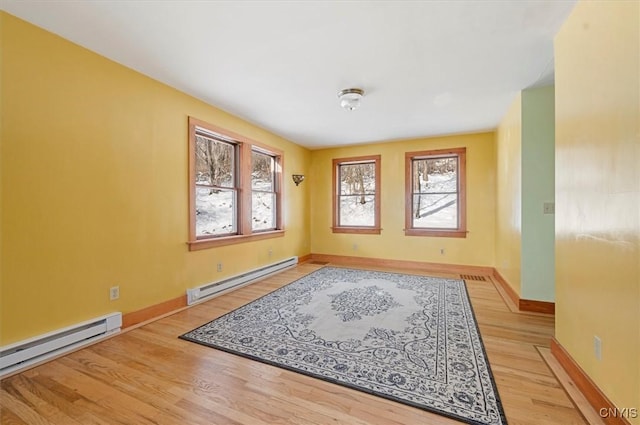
[(357, 230), (436, 233), (231, 240)]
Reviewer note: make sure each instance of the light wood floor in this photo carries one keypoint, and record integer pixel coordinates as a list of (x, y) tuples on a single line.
[(149, 376)]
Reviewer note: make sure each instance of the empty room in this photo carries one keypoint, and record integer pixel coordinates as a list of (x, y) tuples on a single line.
[(320, 212)]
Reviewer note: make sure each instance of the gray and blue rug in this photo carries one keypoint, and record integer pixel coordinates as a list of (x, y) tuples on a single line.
[(411, 339)]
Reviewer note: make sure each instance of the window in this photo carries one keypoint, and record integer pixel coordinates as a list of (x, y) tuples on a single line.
[(263, 191), (216, 185), (435, 193), (356, 195), (235, 184)]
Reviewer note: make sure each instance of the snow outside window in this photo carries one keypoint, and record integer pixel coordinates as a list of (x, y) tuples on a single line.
[(216, 187), (235, 186), (263, 191), (436, 193), (356, 201)]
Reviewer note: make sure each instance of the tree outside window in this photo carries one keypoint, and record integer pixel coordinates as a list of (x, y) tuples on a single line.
[(263, 191), (216, 186), (234, 188), (435, 193), (356, 195)]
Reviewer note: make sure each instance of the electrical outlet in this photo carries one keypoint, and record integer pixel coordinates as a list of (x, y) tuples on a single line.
[(355, 246), (114, 293), (270, 252), (597, 347), (441, 251), (219, 267)]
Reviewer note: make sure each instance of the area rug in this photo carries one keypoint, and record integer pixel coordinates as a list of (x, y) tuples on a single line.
[(411, 339)]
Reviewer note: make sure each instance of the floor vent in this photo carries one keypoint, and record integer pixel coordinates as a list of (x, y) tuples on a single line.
[(25, 353), (210, 290), (473, 277)]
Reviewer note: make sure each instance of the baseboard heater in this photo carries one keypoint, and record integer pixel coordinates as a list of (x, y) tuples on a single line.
[(25, 353), (210, 290)]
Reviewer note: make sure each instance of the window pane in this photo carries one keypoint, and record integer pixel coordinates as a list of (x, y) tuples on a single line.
[(435, 211), (435, 193), (215, 211), (357, 210), (214, 162), (262, 175), (358, 179), (263, 212), (435, 175)]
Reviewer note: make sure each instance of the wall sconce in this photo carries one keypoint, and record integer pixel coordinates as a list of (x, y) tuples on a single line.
[(297, 178)]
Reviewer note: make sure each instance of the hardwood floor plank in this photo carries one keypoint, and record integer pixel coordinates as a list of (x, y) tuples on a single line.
[(569, 386), (9, 418), (65, 400), (25, 390), (148, 375), (21, 409)]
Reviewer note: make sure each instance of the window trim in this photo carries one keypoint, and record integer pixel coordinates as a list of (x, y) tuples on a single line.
[(461, 231), (367, 230), (277, 162), (245, 147), (235, 188)]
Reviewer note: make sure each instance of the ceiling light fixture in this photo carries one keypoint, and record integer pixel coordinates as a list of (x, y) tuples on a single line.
[(350, 98)]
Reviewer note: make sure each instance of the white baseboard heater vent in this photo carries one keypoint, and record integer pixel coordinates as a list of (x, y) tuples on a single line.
[(210, 290), (25, 353)]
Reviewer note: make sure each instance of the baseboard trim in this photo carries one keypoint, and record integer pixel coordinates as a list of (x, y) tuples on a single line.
[(536, 306), (587, 387), (153, 312), (506, 289), (304, 258), (403, 264), (532, 306), (165, 308)]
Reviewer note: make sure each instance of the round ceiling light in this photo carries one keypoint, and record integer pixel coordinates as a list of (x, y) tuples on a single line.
[(350, 98)]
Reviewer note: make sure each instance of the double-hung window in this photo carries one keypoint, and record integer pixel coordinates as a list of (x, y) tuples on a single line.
[(263, 191), (216, 185), (235, 188), (435, 193), (356, 195)]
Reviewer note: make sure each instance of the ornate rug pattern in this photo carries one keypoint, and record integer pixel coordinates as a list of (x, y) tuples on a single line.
[(411, 339)]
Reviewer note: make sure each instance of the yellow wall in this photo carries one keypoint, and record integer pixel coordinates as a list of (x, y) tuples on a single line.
[(508, 218), (94, 187), (476, 249), (525, 181), (598, 194)]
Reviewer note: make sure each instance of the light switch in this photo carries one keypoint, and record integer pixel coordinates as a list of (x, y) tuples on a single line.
[(549, 208)]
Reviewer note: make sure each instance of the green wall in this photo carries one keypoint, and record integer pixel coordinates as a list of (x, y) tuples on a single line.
[(538, 171)]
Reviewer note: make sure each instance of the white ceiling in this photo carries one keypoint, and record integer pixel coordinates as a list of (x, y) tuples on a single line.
[(427, 67)]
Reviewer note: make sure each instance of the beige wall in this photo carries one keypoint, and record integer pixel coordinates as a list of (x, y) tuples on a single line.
[(598, 194), (94, 188), (476, 249)]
